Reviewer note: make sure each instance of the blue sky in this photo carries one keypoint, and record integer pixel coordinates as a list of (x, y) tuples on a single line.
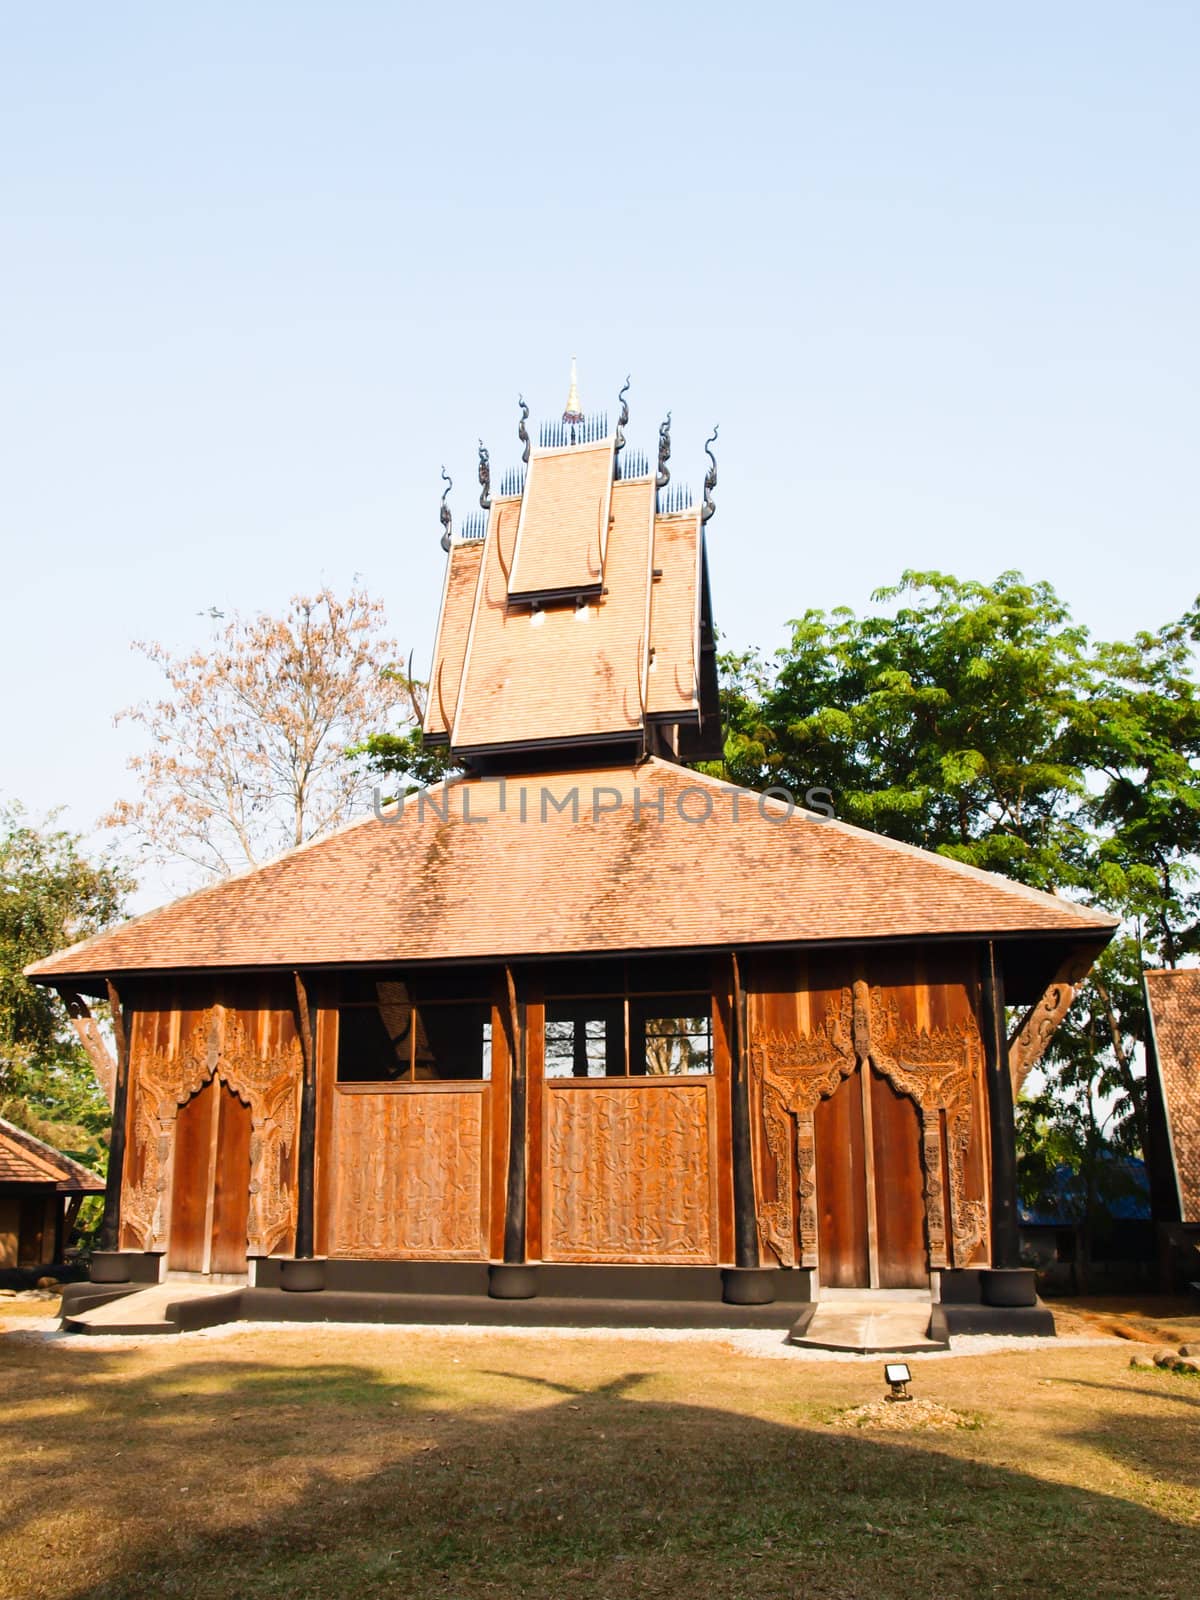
[(934, 270)]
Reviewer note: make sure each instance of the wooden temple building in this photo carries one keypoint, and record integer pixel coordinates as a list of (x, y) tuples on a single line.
[(582, 1028)]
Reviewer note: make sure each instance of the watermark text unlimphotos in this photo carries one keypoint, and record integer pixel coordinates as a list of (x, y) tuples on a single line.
[(538, 803)]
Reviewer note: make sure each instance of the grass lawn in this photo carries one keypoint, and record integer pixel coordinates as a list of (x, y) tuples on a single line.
[(353, 1463)]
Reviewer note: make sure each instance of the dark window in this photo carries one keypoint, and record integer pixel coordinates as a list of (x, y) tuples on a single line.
[(392, 1040), (366, 1052), (585, 977), (454, 1041), (443, 983), (669, 975)]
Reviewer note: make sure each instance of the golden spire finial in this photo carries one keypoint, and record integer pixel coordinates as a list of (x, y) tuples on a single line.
[(572, 412)]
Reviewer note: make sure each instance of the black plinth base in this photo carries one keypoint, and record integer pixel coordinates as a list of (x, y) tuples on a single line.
[(302, 1275), (512, 1281), (748, 1286), (991, 1300), (125, 1266)]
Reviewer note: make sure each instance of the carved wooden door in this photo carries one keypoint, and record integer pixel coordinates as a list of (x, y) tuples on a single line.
[(210, 1184), (870, 1186)]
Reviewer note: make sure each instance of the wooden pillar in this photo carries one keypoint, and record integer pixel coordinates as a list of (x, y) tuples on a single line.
[(306, 1163), (514, 1199), (110, 1227), (745, 1221), (1006, 1248)]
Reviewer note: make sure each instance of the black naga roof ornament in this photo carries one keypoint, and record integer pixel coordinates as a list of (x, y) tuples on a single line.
[(522, 430), (444, 513), (623, 417), (485, 478), (664, 453), (710, 477)]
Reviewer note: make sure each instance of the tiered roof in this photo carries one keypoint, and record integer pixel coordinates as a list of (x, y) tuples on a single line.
[(580, 619)]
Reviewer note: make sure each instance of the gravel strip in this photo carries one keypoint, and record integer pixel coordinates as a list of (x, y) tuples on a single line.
[(767, 1342)]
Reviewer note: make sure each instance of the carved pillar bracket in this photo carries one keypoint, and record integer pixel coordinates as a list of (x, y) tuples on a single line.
[(92, 1040), (1037, 1027)]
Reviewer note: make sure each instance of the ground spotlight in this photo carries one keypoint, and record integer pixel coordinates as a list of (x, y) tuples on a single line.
[(899, 1378)]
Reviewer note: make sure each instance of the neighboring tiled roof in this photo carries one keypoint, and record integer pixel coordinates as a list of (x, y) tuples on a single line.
[(24, 1159), (564, 520), (1175, 1016), (673, 681), (561, 672), (1125, 1196), (449, 652), (492, 879)]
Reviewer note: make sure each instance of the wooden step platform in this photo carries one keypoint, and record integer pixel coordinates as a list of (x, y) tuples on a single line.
[(147, 1310), (869, 1322)]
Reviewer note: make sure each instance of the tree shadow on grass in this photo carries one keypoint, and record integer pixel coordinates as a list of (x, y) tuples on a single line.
[(1161, 1442), (592, 1492)]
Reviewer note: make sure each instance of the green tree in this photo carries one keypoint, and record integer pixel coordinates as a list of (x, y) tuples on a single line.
[(945, 718), (403, 762), (1139, 733), (51, 894)]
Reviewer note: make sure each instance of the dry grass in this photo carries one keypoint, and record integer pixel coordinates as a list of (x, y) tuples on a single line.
[(449, 1463)]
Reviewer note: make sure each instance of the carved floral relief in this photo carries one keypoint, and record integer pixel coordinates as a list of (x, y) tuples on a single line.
[(269, 1083), (937, 1069)]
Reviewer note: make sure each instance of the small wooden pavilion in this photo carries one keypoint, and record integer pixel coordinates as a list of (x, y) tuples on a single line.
[(41, 1191), (582, 1023)]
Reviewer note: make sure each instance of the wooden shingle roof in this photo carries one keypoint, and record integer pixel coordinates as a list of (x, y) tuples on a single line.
[(646, 857), (26, 1159)]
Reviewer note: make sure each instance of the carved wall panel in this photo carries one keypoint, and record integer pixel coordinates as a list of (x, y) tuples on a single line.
[(628, 1173), (408, 1175), (264, 1074), (937, 1068)]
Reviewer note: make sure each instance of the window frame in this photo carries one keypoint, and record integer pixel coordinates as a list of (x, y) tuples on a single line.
[(643, 1001)]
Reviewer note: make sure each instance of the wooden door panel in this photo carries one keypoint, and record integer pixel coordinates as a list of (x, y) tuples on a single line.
[(190, 1181), (899, 1188), (231, 1185), (842, 1188)]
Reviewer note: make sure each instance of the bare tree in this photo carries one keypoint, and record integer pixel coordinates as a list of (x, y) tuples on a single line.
[(248, 747)]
